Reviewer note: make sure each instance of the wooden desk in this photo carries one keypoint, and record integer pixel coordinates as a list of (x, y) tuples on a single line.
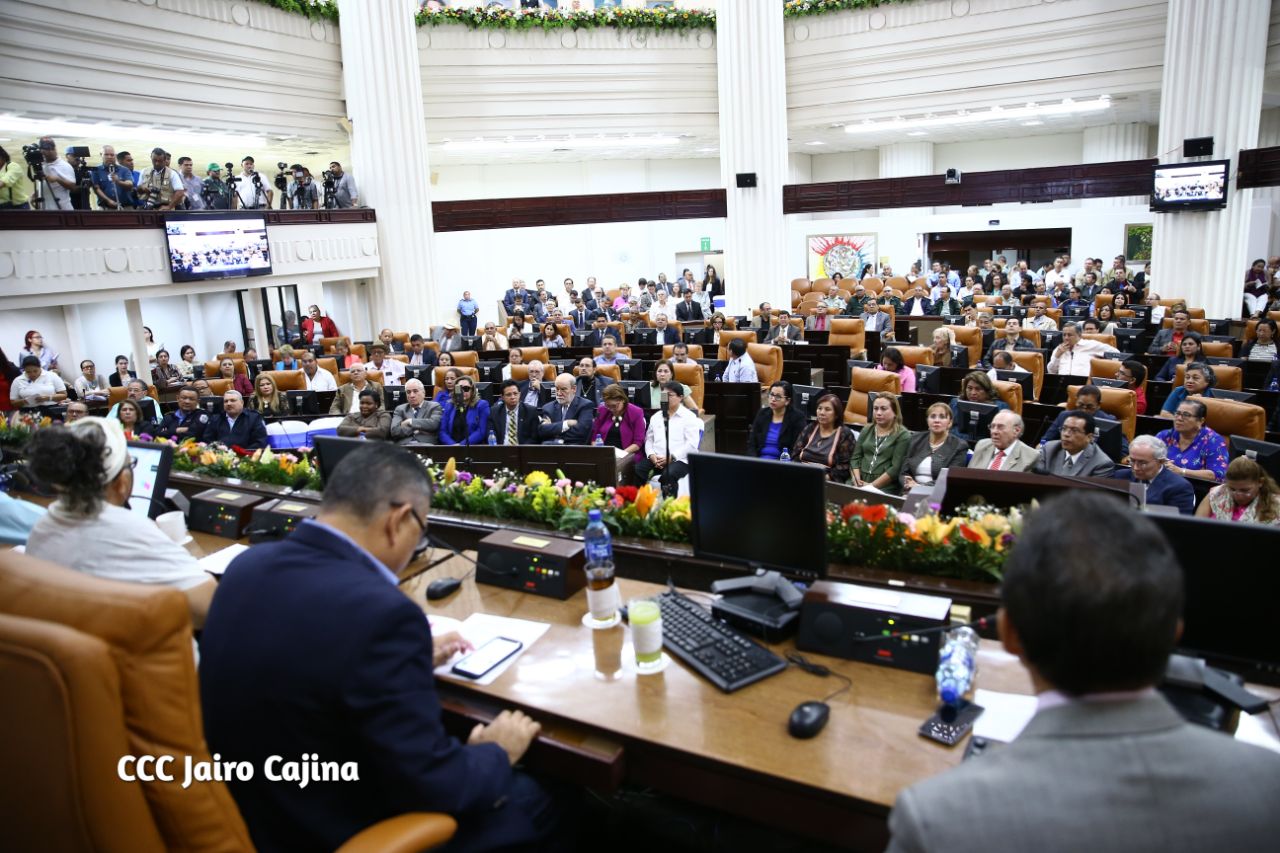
[(680, 735)]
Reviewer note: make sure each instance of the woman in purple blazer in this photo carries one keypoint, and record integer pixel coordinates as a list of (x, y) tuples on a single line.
[(620, 424)]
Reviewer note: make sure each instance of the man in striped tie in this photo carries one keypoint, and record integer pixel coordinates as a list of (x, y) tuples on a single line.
[(514, 422)]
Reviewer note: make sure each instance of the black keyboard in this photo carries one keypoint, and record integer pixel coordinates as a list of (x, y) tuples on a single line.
[(716, 651)]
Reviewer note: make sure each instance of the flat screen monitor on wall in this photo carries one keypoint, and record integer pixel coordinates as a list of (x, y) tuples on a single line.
[(1190, 186), (222, 244)]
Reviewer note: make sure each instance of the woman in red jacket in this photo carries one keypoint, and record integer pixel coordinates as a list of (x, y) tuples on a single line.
[(317, 326), (620, 423)]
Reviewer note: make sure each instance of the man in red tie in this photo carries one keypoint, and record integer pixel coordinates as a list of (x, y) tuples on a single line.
[(1003, 451), (819, 321)]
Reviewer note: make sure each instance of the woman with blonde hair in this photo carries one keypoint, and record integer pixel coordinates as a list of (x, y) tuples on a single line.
[(267, 399)]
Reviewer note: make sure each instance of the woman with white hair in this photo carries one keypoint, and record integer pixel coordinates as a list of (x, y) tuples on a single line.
[(90, 528), (943, 340)]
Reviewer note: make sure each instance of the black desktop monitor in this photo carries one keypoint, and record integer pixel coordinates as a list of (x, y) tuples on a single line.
[(211, 405), (317, 350), (1141, 312), (804, 399), (975, 418), (637, 393), (580, 338), (643, 337), (470, 342), (712, 369), (150, 477), (959, 356), (782, 526), (392, 396), (1104, 382), (1264, 453), (1126, 341), (257, 365), (1238, 396), (1108, 434), (302, 402), (197, 371), (1222, 360), (484, 390), (697, 336), (1003, 311), (929, 379), (420, 372), (1024, 378), (1228, 609), (330, 450)]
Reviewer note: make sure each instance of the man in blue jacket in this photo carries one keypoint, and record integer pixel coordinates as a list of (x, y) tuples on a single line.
[(568, 418), (236, 426), (1147, 455), (310, 648)]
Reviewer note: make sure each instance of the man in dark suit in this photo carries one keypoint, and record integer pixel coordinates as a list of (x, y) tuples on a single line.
[(917, 300), (236, 426), (1092, 604), (513, 422), (581, 316), (1089, 400), (188, 422), (688, 311), (599, 331), (591, 385), (420, 354), (310, 647), (567, 418), (1074, 454), (1163, 487), (666, 334), (517, 291)]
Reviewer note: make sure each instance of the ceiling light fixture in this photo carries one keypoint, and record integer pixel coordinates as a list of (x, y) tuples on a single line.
[(1066, 107), (815, 142), (580, 144), (111, 133)]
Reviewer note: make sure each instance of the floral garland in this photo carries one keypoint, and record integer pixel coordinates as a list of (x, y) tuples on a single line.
[(253, 466), (479, 17), (16, 429)]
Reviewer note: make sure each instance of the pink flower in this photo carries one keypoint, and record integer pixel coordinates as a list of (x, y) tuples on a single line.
[(906, 518), (610, 491), (563, 483)]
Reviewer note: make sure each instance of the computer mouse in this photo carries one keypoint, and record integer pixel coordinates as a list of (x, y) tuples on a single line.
[(808, 719), (442, 588)]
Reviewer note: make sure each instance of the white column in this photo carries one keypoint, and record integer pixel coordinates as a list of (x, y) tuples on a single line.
[(383, 87), (906, 160), (1212, 86), (753, 138), (137, 340), (1266, 200), (1111, 143)]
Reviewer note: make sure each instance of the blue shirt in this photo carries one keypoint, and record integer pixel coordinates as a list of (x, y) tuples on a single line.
[(468, 307), (373, 561), (16, 519), (771, 449), (102, 180)]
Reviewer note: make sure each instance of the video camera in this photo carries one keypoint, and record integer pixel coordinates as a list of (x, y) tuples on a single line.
[(35, 161), (231, 173), (282, 180)]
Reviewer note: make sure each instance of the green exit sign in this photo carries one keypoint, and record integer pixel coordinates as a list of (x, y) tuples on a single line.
[(706, 244)]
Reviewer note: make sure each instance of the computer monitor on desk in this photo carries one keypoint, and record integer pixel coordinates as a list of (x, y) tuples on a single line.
[(1228, 609), (1108, 435), (1024, 378), (422, 373), (150, 477), (975, 418), (1264, 453), (637, 393), (302, 402), (804, 398), (759, 513)]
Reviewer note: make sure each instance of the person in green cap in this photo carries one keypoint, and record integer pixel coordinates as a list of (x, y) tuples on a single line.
[(216, 193)]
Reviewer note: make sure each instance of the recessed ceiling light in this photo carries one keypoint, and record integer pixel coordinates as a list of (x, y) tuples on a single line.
[(815, 142)]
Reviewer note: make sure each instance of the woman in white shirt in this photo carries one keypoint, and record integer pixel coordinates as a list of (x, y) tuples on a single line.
[(91, 387), (36, 386), (89, 529)]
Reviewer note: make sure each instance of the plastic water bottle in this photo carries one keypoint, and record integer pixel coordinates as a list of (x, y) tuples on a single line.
[(599, 544), (784, 456), (956, 664), (493, 439), (599, 442)]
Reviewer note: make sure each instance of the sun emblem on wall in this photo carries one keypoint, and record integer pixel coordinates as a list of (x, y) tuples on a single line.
[(839, 254)]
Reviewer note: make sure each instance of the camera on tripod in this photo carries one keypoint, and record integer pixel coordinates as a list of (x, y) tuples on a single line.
[(35, 161), (282, 181), (232, 180)]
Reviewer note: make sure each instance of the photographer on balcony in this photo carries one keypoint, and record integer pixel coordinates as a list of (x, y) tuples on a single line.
[(16, 188), (112, 182), (303, 193), (215, 192), (193, 186), (160, 188), (59, 177), (345, 193), (84, 176), (250, 192)]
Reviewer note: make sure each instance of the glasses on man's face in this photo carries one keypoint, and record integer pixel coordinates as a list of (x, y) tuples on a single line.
[(424, 541), (1070, 430)]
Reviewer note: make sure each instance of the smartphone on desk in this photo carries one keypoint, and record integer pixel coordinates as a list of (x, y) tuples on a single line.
[(481, 662)]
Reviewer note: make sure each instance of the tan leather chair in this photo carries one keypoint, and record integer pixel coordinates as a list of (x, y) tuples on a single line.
[(874, 284), (1107, 368), (819, 285), (1231, 417), (1250, 331), (520, 372), (1032, 335), (470, 358), (851, 333), (116, 394), (800, 285), (528, 354), (437, 376), (1119, 402), (912, 356), (1101, 299), (1228, 376), (900, 283), (1199, 326), (600, 351), (748, 335), (211, 367), (693, 376), (613, 371), (969, 337), (1109, 340), (1218, 349), (401, 338), (1034, 362), (862, 381), (95, 670), (219, 386), (287, 380), (330, 364), (1011, 393), (695, 350), (768, 360), (329, 344), (796, 296)]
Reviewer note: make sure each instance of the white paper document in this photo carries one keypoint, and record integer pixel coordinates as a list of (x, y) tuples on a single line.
[(1006, 714), (480, 628), (217, 562)]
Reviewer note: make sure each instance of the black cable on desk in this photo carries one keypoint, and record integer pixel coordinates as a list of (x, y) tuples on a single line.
[(822, 671)]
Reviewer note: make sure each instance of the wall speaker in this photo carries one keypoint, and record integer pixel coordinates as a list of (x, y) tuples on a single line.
[(746, 179), (1201, 146)]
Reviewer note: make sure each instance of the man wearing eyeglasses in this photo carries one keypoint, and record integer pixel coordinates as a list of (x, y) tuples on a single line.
[(1074, 453), (315, 629), (1088, 401), (568, 418)]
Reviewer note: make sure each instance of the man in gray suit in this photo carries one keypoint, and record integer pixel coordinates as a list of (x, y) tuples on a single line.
[(784, 331), (418, 420), (1106, 764), (1003, 451), (1074, 454)]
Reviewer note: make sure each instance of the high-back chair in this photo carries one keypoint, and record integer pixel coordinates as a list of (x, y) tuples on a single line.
[(1011, 393), (1227, 376), (695, 350), (851, 333), (1118, 402), (862, 382), (694, 376), (1033, 362), (1231, 417), (969, 337)]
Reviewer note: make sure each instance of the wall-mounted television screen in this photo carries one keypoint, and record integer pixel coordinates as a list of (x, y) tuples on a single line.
[(1190, 186), (221, 244)]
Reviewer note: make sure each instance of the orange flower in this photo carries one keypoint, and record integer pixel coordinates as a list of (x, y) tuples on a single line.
[(646, 495), (849, 510), (875, 513)]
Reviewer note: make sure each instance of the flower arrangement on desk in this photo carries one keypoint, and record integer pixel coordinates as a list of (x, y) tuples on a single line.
[(494, 18), (971, 545), (561, 503), (16, 429), (253, 466)]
